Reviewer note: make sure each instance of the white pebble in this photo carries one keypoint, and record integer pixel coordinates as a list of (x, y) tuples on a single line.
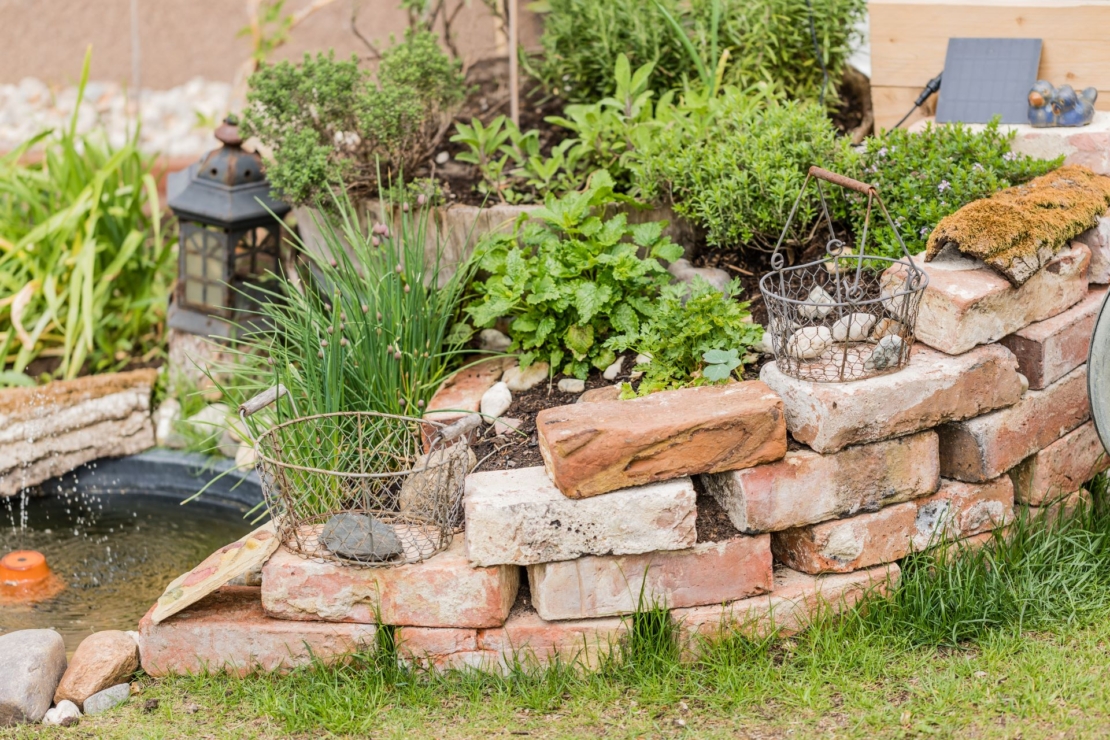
[(492, 340), (59, 714), (641, 359), (887, 354), (496, 401), (572, 385), (614, 370), (809, 342), (819, 304), (853, 328)]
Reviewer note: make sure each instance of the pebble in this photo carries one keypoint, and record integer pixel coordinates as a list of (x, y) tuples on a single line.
[(443, 158), (853, 328), (496, 401), (492, 340), (887, 354), (505, 425), (107, 699), (886, 328), (360, 537), (175, 123), (572, 385), (58, 716), (614, 370), (682, 270), (245, 456), (819, 304), (164, 417), (641, 359), (809, 342), (520, 379), (767, 343)]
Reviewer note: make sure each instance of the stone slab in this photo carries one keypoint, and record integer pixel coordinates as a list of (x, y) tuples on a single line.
[(442, 591), (789, 608), (932, 389), (519, 517), (807, 487), (1048, 350), (967, 304), (979, 449), (595, 448), (1060, 469), (708, 573), (1098, 241), (229, 632), (956, 511)]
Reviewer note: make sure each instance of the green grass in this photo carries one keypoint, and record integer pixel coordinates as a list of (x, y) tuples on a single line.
[(1005, 641)]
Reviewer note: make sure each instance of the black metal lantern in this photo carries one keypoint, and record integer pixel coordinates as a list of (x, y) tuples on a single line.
[(230, 236)]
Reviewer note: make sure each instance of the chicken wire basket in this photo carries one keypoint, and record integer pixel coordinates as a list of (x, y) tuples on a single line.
[(361, 488), (848, 315)]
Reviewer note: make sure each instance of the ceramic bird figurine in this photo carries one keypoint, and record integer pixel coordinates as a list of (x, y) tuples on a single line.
[(1062, 106)]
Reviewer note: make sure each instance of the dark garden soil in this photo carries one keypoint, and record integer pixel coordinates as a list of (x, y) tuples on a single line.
[(713, 523)]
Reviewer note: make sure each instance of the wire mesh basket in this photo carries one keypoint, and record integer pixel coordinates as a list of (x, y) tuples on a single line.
[(361, 488), (846, 316)]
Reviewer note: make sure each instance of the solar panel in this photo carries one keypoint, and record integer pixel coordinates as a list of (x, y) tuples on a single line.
[(988, 77)]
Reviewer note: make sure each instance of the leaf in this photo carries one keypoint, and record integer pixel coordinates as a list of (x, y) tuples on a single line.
[(646, 234), (579, 340), (589, 298), (668, 251), (716, 373), (719, 356)]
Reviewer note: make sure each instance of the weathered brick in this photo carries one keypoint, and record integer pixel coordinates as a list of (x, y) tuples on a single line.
[(444, 649), (1062, 468), (228, 631), (1098, 241), (462, 393), (595, 448), (957, 510), (808, 487), (985, 447), (1060, 506), (933, 388), (519, 517), (967, 304), (796, 598), (442, 591), (708, 573), (1048, 350), (528, 639)]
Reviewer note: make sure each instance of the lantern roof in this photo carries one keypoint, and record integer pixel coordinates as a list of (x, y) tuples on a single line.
[(227, 186)]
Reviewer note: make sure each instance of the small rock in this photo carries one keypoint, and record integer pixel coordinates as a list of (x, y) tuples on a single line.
[(107, 699), (210, 421), (505, 426), (442, 158), (819, 304), (66, 710), (436, 483), (252, 577), (886, 328), (191, 708), (245, 456), (31, 665), (360, 537), (605, 393), (682, 270), (641, 359), (492, 340), (887, 354), (572, 385), (614, 370), (496, 401), (809, 342), (853, 328), (520, 379), (150, 705), (164, 417), (767, 343), (101, 660), (228, 446)]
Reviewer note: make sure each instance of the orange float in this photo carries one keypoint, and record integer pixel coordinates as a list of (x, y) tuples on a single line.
[(25, 578)]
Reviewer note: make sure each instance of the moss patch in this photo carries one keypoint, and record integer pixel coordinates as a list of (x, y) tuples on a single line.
[(1017, 230)]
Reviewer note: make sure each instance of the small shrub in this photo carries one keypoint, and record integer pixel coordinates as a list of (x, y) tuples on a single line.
[(692, 342), (924, 177), (737, 170), (570, 278), (327, 123), (765, 41)]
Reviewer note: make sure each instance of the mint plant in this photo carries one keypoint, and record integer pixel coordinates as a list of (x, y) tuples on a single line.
[(570, 278)]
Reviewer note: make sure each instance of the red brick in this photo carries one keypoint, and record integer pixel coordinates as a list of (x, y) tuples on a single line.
[(933, 388), (596, 448), (461, 394), (807, 487), (1098, 240), (442, 591), (1062, 468), (1048, 350), (957, 510), (967, 304), (708, 573), (444, 649), (987, 446), (228, 631), (528, 639), (788, 609)]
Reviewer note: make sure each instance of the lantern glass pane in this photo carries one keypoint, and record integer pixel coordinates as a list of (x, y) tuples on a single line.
[(194, 292), (194, 266)]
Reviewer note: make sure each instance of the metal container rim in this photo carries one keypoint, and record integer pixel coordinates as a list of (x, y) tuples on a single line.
[(922, 281)]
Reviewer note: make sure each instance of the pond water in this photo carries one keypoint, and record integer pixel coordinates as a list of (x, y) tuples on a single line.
[(113, 553)]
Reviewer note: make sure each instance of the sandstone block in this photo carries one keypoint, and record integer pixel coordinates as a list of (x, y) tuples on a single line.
[(985, 447), (788, 609), (31, 665), (708, 573), (807, 487), (957, 510), (519, 517), (967, 303), (442, 591), (527, 639), (228, 632), (606, 446), (933, 388), (1060, 469), (1048, 350), (1098, 241), (50, 430), (102, 660)]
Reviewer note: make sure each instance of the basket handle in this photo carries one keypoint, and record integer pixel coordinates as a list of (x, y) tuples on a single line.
[(262, 400), (842, 181)]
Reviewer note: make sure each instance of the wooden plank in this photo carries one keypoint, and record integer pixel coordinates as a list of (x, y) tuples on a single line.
[(909, 41)]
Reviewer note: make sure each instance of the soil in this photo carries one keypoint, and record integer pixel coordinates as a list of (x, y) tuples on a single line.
[(713, 522)]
